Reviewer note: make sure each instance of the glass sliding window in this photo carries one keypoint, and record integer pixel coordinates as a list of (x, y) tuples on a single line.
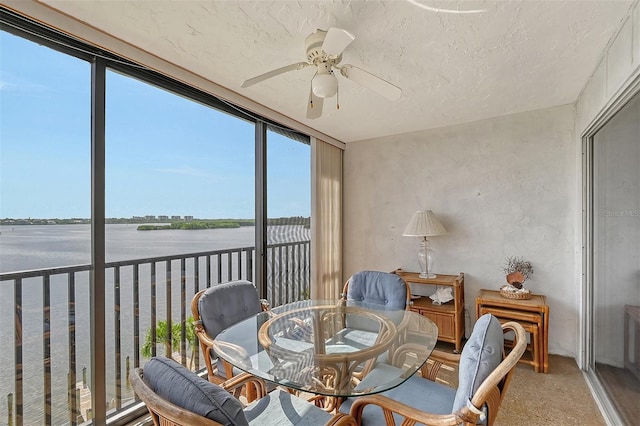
[(615, 345), (45, 206), (180, 185), (288, 218), (180, 204)]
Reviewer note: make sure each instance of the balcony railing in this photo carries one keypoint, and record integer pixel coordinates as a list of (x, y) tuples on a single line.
[(52, 355)]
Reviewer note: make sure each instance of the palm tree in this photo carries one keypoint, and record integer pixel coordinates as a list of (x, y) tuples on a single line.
[(162, 336)]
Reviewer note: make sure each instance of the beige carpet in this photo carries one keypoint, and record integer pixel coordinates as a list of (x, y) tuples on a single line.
[(560, 397)]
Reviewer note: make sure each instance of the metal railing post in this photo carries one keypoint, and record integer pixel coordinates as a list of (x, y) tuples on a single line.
[(283, 259)]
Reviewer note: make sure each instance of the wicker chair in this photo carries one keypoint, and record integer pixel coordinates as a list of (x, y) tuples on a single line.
[(377, 288), (176, 396), (483, 382), (217, 308)]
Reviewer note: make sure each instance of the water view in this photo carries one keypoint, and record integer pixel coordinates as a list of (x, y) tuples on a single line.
[(30, 247), (45, 246)]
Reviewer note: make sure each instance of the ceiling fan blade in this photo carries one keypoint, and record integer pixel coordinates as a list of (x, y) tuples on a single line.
[(273, 73), (336, 41), (314, 106), (372, 82)]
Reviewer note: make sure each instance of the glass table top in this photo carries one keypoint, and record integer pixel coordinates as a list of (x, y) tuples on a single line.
[(328, 348)]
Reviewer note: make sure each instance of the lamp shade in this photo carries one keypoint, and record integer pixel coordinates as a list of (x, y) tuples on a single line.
[(424, 224)]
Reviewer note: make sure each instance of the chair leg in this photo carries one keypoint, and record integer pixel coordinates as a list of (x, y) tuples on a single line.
[(251, 392)]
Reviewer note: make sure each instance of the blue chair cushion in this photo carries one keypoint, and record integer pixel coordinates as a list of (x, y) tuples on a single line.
[(280, 408), (358, 339), (184, 388), (422, 394), (226, 304), (378, 289), (480, 356)]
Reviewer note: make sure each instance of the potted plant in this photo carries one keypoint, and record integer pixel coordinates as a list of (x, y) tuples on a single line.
[(517, 270)]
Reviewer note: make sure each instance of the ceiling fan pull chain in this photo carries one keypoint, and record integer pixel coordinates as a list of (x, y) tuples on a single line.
[(338, 97)]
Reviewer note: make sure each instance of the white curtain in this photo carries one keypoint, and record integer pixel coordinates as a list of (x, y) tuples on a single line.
[(326, 220)]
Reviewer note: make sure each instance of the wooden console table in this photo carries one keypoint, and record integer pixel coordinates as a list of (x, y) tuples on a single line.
[(449, 317), (529, 311)]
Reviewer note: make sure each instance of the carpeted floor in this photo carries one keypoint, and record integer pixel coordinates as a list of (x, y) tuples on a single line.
[(560, 397)]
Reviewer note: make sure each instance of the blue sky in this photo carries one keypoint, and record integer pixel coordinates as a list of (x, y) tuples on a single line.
[(165, 155)]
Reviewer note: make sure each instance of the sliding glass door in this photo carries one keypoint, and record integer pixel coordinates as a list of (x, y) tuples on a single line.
[(614, 263)]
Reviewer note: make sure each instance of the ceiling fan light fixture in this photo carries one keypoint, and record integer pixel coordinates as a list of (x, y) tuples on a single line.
[(324, 85), (324, 52)]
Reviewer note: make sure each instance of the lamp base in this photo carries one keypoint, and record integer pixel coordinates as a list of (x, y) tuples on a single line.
[(427, 275)]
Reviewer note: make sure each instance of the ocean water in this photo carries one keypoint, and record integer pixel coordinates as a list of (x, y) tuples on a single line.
[(43, 246)]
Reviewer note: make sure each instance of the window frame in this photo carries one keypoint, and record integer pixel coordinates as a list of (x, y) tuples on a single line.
[(101, 62)]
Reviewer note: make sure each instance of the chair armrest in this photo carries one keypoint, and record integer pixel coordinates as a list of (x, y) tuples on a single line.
[(445, 357), (265, 305), (438, 358), (411, 415), (202, 334), (234, 385), (342, 419)]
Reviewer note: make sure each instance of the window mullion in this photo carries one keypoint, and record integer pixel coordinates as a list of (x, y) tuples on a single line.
[(97, 287), (260, 273)]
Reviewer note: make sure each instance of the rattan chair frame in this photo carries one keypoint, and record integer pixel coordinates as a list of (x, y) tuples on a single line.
[(491, 392), (164, 413), (206, 346)]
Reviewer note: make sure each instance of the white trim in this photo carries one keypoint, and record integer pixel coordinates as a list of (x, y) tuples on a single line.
[(609, 413), (585, 360), (615, 104), (49, 16)]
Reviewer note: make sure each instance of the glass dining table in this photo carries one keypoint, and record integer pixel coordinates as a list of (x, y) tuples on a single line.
[(330, 348)]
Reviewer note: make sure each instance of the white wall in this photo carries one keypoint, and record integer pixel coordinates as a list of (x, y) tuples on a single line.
[(502, 187)]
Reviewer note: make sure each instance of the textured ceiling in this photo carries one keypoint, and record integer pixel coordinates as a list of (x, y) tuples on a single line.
[(489, 59)]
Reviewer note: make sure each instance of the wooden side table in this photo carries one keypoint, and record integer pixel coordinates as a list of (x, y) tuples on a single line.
[(449, 317), (529, 311)]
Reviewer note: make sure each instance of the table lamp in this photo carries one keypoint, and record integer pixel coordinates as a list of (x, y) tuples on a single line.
[(424, 224)]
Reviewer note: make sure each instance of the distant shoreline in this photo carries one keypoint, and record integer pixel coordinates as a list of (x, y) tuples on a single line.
[(198, 224), (153, 223)]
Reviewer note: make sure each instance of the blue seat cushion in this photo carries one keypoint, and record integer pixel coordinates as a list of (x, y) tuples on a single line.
[(280, 408), (184, 388), (382, 290), (422, 394), (480, 356), (226, 304), (358, 339)]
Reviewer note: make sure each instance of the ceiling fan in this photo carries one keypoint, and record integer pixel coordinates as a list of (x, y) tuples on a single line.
[(324, 51)]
